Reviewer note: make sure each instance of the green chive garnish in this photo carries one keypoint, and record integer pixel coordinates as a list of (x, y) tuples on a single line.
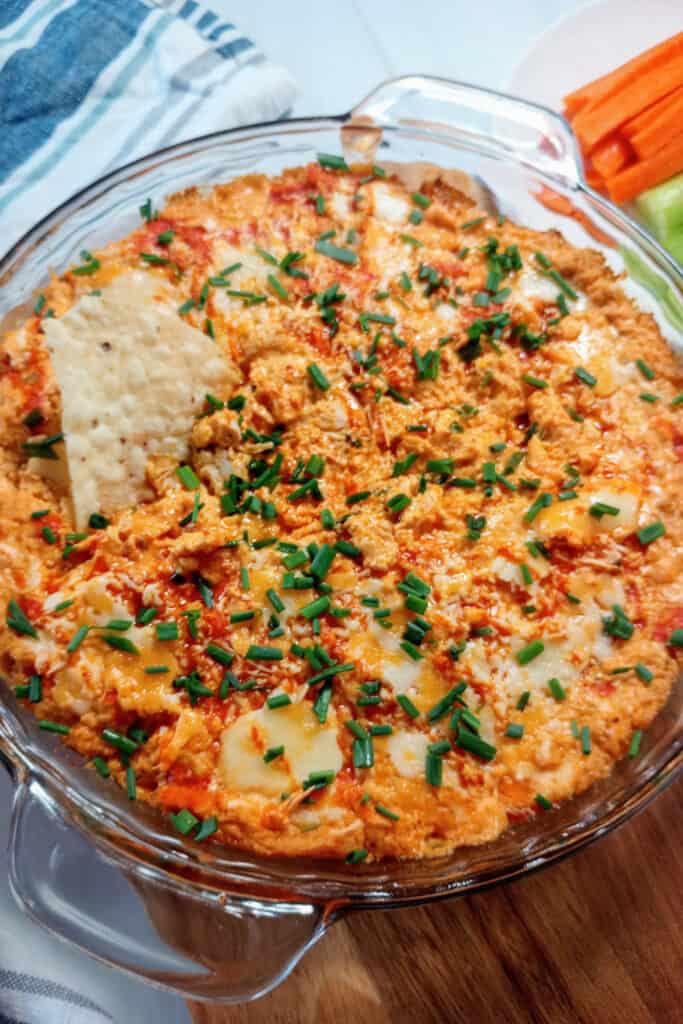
[(187, 477), (317, 376), (531, 651), (256, 652), (407, 705), (650, 533)]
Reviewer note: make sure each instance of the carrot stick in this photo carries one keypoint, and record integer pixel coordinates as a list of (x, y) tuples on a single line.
[(601, 118), (563, 206), (610, 155), (647, 173), (642, 120), (653, 138), (613, 81)]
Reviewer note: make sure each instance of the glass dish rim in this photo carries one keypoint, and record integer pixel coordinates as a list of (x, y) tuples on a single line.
[(165, 855)]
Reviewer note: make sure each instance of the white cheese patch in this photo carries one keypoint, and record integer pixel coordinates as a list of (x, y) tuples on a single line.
[(408, 752), (340, 203), (252, 267), (389, 204), (132, 376), (309, 747), (532, 286)]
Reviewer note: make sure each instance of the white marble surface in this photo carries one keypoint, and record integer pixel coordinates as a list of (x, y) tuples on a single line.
[(337, 53)]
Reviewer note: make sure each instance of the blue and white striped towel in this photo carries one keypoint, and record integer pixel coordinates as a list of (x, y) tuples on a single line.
[(87, 85)]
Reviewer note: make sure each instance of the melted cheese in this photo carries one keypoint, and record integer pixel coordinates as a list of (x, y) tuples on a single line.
[(573, 518), (379, 650), (309, 747), (408, 753), (389, 204)]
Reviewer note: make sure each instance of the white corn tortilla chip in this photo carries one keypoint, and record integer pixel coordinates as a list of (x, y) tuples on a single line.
[(132, 376)]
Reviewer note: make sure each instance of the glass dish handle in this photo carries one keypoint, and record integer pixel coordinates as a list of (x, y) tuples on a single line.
[(198, 943), (477, 118)]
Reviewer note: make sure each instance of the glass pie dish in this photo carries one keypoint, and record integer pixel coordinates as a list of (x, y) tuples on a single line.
[(211, 922)]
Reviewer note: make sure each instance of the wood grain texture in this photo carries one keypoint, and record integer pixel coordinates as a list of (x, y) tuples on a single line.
[(596, 939)]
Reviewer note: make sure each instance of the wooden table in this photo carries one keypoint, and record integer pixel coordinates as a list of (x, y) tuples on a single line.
[(596, 939)]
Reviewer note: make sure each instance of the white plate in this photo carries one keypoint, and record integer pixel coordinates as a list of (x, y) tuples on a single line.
[(589, 43)]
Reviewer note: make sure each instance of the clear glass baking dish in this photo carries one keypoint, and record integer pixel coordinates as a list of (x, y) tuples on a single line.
[(212, 922)]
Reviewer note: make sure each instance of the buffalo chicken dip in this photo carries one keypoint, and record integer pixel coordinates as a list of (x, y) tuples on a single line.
[(338, 518)]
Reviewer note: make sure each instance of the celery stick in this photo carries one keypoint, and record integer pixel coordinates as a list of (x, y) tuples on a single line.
[(662, 209), (670, 303)]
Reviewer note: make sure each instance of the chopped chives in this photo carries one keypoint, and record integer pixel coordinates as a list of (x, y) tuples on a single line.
[(515, 730), (585, 377), (523, 700), (244, 616), (647, 534), (275, 600), (386, 813), (327, 673), (156, 670), (56, 727), (529, 652), (600, 508), (381, 730), (131, 783), (322, 703), (585, 736), (363, 753), (411, 649), (541, 502), (273, 752), (184, 821), (207, 828), (534, 382), (556, 689), (543, 802), (336, 252), (120, 643), (167, 631), (474, 744), (315, 608), (356, 856), (646, 371), (643, 672), (101, 767), (77, 639), (444, 705), (257, 652), (244, 578), (319, 779), (278, 700), (317, 376), (145, 616), (332, 162), (433, 769), (407, 705), (354, 499), (119, 741), (187, 477), (219, 654), (277, 287), (634, 745)]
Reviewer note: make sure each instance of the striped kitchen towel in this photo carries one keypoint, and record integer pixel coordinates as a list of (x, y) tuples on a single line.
[(88, 85)]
